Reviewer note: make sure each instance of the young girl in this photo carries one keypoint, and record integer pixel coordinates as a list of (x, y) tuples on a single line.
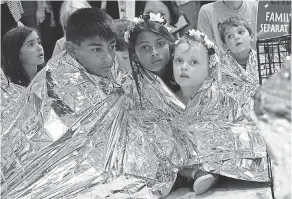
[(150, 47), (208, 123), (22, 54)]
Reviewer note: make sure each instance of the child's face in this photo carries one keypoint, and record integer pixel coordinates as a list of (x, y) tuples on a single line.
[(190, 65), (96, 55), (238, 39), (123, 57), (157, 7), (152, 51), (31, 53)]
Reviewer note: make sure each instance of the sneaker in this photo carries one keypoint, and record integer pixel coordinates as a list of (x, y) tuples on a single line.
[(204, 181)]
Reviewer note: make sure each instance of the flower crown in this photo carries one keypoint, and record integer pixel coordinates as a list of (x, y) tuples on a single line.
[(137, 20), (202, 38)]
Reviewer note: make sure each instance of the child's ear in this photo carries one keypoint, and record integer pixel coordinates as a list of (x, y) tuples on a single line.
[(71, 49), (252, 37)]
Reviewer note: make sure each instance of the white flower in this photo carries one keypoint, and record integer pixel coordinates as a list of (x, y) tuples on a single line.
[(208, 43), (156, 17), (127, 36), (168, 28), (195, 33), (137, 20)]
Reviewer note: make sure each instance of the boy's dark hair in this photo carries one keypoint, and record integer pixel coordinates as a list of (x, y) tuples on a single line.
[(121, 27), (86, 23), (11, 64), (232, 22), (171, 5)]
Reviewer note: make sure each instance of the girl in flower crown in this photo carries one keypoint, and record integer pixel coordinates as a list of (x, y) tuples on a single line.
[(151, 47), (214, 141)]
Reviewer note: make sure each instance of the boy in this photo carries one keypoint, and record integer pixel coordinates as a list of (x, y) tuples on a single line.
[(239, 64), (64, 116), (211, 14)]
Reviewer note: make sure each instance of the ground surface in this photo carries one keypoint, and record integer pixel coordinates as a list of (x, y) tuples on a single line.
[(227, 188)]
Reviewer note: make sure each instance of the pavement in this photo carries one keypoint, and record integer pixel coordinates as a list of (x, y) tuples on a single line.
[(226, 188)]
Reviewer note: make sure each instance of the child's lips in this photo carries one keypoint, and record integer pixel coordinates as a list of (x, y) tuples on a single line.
[(156, 61), (183, 75), (41, 55), (238, 44)]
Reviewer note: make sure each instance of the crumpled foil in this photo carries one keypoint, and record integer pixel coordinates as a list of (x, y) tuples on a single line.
[(71, 138), (217, 131), (10, 93), (76, 135), (272, 113)]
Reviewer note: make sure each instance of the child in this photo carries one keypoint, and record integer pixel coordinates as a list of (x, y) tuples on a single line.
[(239, 65), (22, 54), (194, 65), (206, 121), (67, 8), (150, 47), (212, 14), (65, 109), (122, 46)]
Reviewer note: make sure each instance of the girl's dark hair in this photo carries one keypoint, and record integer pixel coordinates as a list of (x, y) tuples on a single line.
[(11, 64), (171, 5), (159, 29)]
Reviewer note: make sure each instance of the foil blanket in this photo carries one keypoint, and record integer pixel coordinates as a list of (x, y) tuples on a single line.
[(10, 93), (76, 135), (272, 113)]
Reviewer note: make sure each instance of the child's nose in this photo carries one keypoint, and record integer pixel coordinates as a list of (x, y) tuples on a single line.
[(107, 58), (184, 66), (154, 52)]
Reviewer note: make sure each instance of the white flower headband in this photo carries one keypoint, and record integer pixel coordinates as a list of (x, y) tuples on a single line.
[(137, 20), (211, 47)]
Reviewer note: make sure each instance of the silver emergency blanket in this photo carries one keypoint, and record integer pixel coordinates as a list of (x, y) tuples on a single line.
[(71, 137), (272, 113), (76, 135), (10, 94)]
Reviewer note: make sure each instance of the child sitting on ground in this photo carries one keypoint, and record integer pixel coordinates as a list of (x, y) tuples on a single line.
[(207, 124), (194, 66)]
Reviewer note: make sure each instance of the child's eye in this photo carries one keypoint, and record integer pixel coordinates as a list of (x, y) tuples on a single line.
[(194, 62), (30, 44), (96, 49), (241, 32), (229, 36), (178, 60), (144, 47), (160, 44)]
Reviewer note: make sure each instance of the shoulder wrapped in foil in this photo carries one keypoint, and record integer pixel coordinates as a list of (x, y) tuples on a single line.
[(272, 113), (10, 94), (213, 133), (218, 133), (76, 135), (73, 137)]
